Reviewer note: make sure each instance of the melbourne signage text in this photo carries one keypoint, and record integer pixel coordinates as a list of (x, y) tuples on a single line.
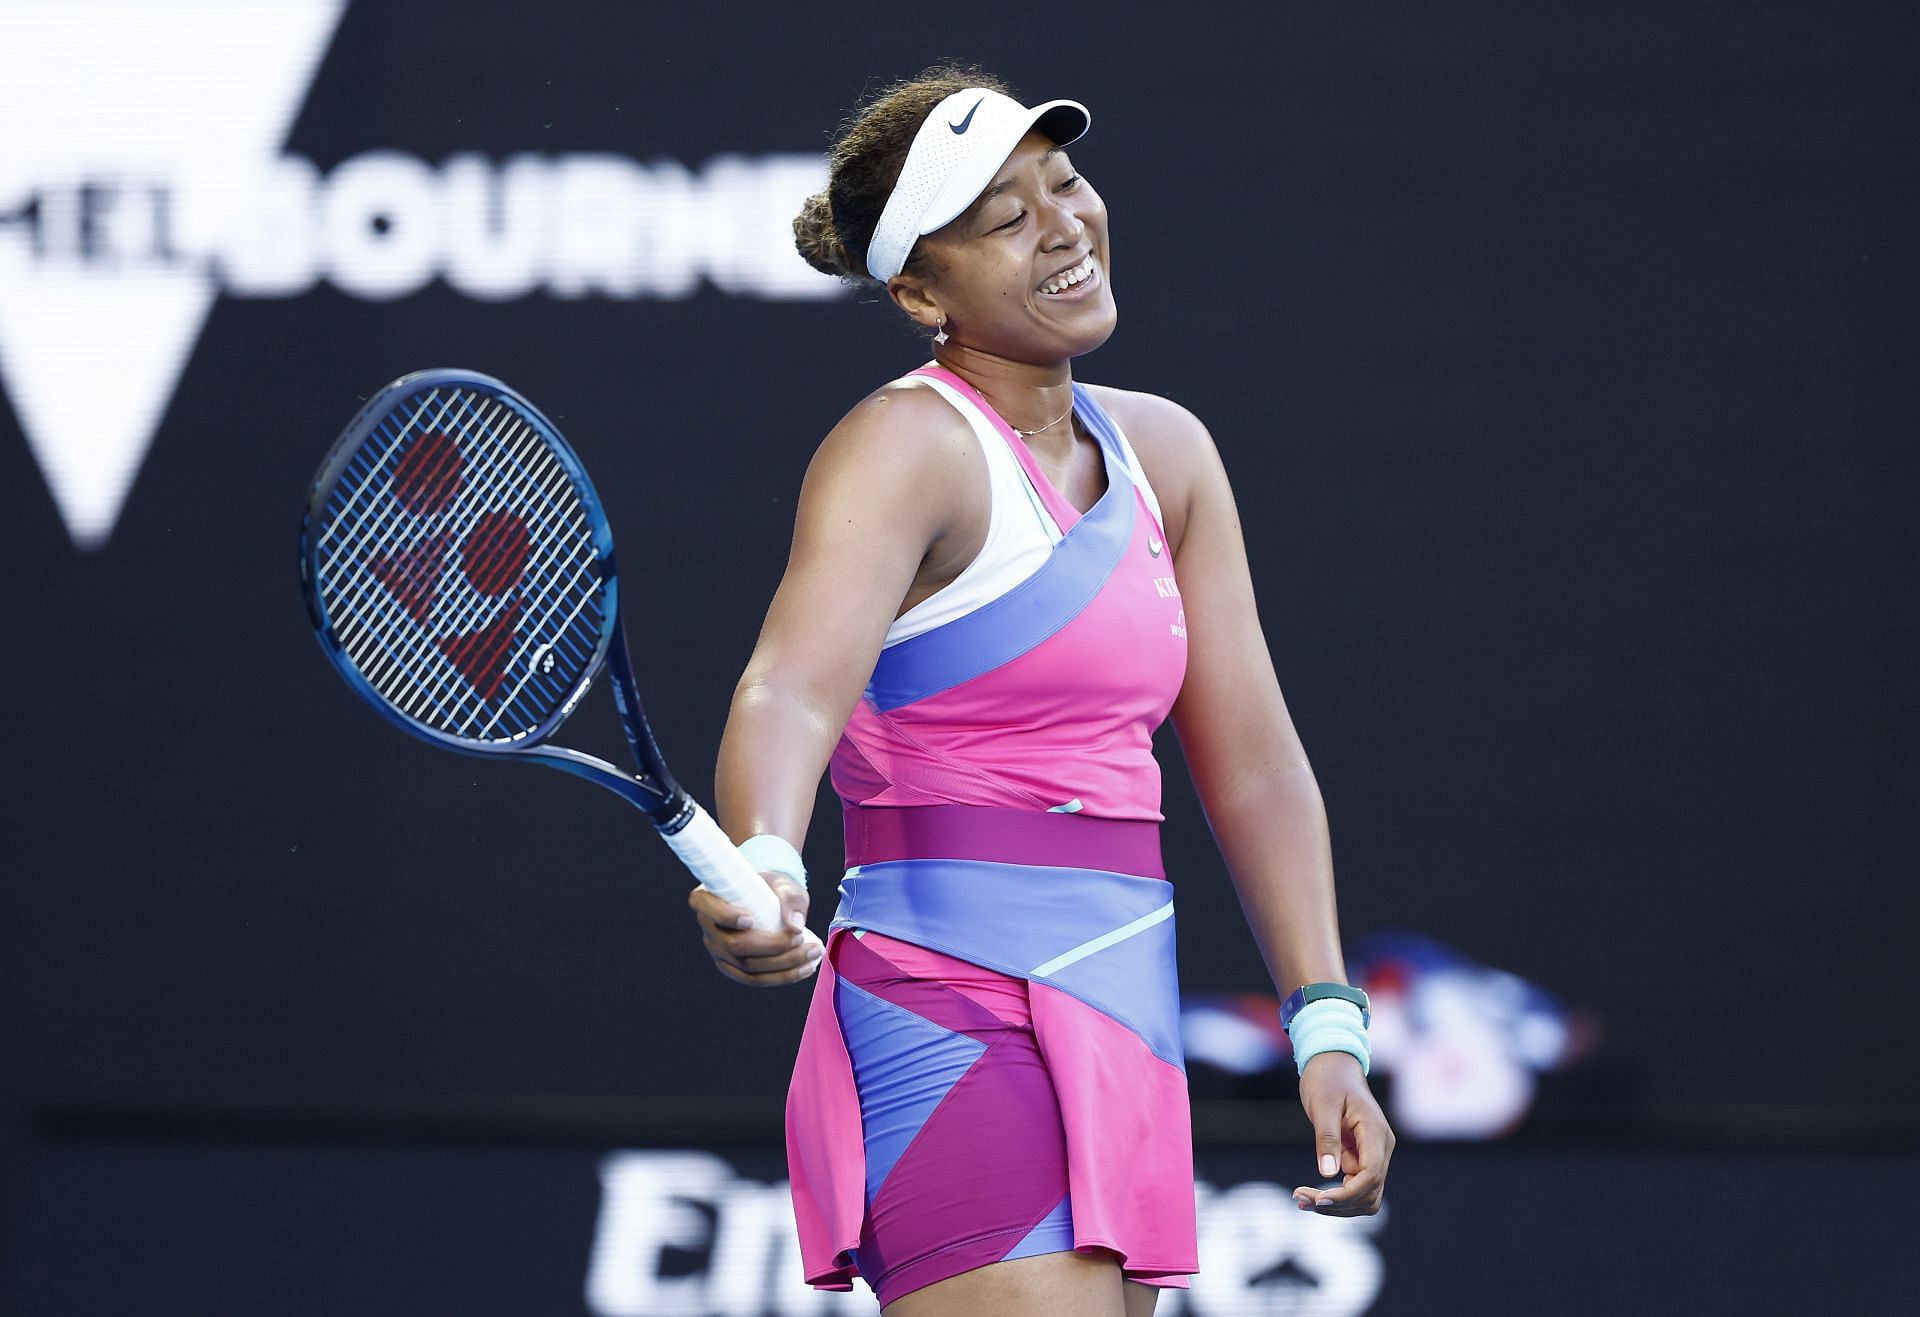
[(142, 175)]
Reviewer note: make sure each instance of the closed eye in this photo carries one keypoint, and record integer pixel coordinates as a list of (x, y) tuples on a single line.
[(1067, 184)]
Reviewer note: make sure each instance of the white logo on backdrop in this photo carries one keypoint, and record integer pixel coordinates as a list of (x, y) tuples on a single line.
[(141, 176), (681, 1235)]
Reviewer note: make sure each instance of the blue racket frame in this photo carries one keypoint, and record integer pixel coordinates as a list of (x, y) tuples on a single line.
[(653, 789)]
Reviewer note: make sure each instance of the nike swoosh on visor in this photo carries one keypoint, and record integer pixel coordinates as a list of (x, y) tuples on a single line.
[(967, 122)]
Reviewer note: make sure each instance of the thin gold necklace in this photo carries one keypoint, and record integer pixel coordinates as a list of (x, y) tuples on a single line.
[(1028, 434)]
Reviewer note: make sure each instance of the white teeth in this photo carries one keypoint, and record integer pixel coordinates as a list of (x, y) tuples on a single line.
[(1068, 278)]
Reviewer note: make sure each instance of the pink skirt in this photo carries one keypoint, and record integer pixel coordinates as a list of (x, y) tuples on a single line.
[(974, 1085)]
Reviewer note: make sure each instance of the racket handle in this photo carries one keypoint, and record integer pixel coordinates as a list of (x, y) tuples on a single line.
[(722, 870)]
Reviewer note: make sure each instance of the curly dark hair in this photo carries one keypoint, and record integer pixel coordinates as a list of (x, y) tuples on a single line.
[(834, 227)]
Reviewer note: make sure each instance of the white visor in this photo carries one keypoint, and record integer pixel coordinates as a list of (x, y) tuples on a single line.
[(954, 157)]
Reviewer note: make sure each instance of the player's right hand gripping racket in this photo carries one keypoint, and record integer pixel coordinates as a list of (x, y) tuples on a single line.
[(459, 571)]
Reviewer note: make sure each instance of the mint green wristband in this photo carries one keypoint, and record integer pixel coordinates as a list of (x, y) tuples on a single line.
[(770, 854), (1329, 1025)]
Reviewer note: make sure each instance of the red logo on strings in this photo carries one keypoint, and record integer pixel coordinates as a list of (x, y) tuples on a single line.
[(412, 575), (494, 553), (481, 655), (429, 475), (427, 478)]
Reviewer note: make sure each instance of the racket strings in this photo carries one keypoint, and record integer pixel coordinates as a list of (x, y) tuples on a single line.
[(459, 568), (419, 565), (368, 463), (473, 651), (475, 648), (577, 589)]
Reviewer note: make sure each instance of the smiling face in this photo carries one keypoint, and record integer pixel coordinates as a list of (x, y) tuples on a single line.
[(1023, 272)]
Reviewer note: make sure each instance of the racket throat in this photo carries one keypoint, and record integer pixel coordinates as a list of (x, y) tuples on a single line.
[(682, 816), (653, 772)]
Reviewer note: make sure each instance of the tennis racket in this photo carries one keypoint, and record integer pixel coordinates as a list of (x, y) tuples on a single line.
[(459, 571)]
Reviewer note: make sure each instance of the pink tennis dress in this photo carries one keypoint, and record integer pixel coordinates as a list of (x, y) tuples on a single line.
[(991, 1065)]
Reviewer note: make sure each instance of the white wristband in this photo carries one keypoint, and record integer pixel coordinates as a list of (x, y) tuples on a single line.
[(770, 854), (1329, 1025)]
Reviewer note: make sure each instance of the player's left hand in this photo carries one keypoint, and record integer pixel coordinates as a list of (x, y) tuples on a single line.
[(1351, 1137)]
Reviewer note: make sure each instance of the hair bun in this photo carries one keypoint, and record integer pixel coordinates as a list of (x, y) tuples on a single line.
[(818, 241)]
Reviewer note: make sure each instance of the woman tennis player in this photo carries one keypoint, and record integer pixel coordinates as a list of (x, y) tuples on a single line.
[(980, 626)]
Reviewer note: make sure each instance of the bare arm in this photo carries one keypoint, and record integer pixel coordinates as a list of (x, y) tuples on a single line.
[(1247, 762), (880, 494), (1260, 796)]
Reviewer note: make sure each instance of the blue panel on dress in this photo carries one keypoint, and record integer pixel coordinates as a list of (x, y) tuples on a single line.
[(1017, 917), (903, 1064), (1098, 423), (999, 632)]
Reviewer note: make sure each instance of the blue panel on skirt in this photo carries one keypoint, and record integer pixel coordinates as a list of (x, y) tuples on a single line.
[(1023, 918)]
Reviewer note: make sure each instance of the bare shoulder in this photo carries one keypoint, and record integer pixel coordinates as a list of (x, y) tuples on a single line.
[(902, 455), (1167, 436), (902, 428), (1150, 414)]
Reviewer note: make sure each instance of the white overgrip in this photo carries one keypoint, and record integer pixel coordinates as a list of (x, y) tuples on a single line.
[(722, 870)]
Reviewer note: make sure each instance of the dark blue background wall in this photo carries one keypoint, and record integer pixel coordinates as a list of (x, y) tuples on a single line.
[(1558, 355), (618, 1231)]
